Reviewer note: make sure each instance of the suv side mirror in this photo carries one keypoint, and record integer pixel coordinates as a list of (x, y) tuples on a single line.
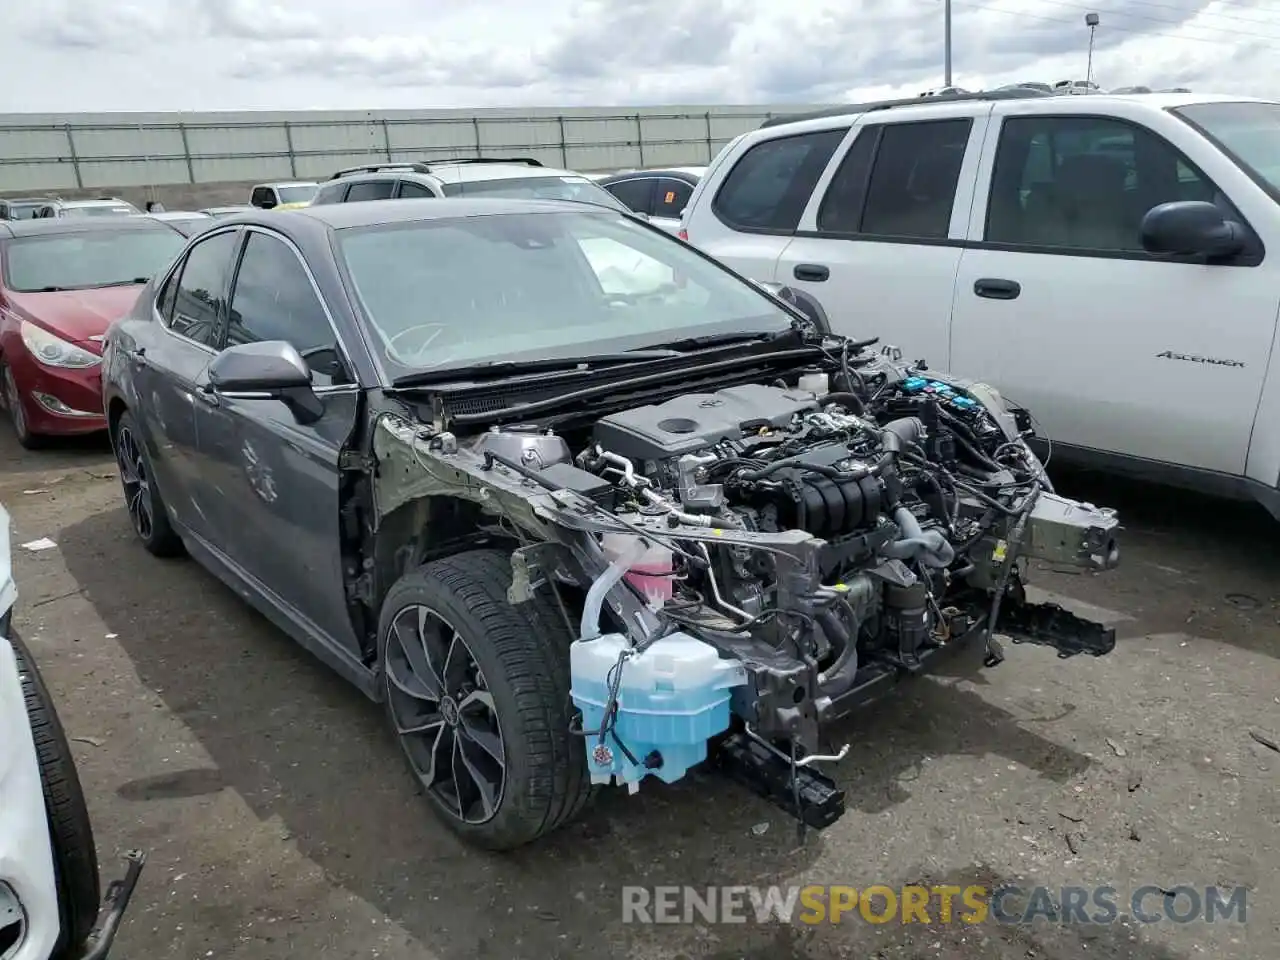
[(1191, 228), (265, 370)]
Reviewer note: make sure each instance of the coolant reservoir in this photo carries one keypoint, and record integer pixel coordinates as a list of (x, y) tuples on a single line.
[(814, 381), (672, 699), (651, 574)]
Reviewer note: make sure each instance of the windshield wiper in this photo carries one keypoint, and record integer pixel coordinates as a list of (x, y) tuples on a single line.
[(725, 339), (125, 283), (488, 369)]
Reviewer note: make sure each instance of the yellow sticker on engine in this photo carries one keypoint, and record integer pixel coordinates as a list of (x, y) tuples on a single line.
[(1000, 550)]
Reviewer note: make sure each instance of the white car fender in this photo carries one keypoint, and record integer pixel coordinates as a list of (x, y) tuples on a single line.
[(26, 857)]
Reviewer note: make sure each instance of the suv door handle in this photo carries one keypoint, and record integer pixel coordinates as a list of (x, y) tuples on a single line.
[(814, 272), (137, 357), (997, 289)]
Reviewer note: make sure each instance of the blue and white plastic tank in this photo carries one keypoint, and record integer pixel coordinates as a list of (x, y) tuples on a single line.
[(672, 699)]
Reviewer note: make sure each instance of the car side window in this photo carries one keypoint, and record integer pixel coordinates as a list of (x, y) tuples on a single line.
[(195, 301), (671, 198), (329, 193), (410, 189), (770, 185), (370, 190), (635, 194), (1085, 183), (842, 204), (274, 299), (914, 177), (260, 196)]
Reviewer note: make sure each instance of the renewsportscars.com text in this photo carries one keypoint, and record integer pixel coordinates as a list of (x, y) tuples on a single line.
[(1009, 904)]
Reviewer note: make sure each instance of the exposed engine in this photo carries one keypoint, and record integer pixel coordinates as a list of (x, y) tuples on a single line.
[(787, 548)]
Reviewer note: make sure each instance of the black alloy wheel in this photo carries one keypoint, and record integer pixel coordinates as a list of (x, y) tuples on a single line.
[(147, 512)]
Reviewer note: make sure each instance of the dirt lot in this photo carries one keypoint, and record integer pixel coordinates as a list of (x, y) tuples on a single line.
[(280, 820)]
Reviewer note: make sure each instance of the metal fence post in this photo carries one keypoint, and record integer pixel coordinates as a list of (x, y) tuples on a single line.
[(75, 160), (386, 139), (710, 139), (564, 144), (639, 140), (186, 152), (288, 145), (475, 125)]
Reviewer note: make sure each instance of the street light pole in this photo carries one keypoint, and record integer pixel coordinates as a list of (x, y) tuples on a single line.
[(947, 43), (1090, 21)]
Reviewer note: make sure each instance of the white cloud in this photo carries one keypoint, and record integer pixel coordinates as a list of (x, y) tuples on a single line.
[(93, 55)]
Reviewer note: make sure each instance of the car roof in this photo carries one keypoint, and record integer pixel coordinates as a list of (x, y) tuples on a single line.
[(28, 200), (53, 225), (177, 215), (462, 171), (287, 183), (676, 172), (96, 202)]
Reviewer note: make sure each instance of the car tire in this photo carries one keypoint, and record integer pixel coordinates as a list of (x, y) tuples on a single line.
[(13, 405), (147, 512), (519, 689), (75, 857)]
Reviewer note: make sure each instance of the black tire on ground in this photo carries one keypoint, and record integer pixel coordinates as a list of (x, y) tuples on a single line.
[(9, 395), (523, 653), (75, 858), (159, 538)]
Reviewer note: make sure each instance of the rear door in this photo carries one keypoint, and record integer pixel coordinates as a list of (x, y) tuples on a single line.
[(754, 210), (374, 189), (170, 372), (412, 190), (880, 242), (1058, 305)]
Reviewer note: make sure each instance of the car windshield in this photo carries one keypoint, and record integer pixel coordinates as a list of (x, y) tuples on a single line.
[(78, 261), (100, 210), (537, 188), (1247, 132), (450, 292), (298, 194)]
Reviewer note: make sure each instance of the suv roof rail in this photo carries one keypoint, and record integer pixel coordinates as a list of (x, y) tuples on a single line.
[(1018, 93), (379, 167), (526, 161)]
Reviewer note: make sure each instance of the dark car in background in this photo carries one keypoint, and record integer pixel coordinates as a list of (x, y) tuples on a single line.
[(660, 194), (62, 282)]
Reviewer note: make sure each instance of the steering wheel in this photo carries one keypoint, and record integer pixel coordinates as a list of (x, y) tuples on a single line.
[(435, 330)]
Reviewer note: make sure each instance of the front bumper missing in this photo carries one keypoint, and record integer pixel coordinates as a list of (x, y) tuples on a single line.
[(114, 903)]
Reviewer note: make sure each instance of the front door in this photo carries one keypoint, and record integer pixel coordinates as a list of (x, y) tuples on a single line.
[(170, 369), (880, 242), (279, 521), (1058, 305)]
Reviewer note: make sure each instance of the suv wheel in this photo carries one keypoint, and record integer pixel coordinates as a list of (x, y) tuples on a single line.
[(477, 692), (75, 858)]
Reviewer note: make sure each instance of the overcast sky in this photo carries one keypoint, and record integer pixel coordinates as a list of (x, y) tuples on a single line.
[(95, 55)]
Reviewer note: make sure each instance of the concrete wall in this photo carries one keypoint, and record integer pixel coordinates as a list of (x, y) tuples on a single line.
[(199, 159)]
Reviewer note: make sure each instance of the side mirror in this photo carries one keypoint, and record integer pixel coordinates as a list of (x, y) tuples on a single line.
[(1191, 228), (266, 370), (265, 204), (640, 215)]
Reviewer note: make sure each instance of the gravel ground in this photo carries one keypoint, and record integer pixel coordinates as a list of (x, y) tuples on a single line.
[(280, 820)]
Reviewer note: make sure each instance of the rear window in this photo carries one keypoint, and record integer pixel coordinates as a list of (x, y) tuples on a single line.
[(79, 261), (301, 194), (100, 210), (575, 188), (769, 186)]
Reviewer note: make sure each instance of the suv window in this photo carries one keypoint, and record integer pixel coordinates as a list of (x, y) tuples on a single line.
[(329, 193), (411, 189), (370, 190), (913, 178), (194, 302), (636, 194), (672, 197), (274, 300), (261, 196), (841, 208), (769, 186), (1084, 183)]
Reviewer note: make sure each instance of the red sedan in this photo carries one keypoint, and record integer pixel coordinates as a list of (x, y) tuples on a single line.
[(61, 283)]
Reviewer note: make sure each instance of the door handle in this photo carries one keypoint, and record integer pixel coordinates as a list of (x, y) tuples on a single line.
[(138, 357), (814, 272), (206, 396), (994, 289)]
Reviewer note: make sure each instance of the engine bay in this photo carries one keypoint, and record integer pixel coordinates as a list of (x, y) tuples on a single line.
[(760, 559)]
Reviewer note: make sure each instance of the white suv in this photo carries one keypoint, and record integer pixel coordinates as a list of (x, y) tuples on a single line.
[(49, 885), (1110, 262), (468, 177)]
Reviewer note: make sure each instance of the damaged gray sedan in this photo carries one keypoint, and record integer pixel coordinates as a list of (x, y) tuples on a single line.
[(576, 503)]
